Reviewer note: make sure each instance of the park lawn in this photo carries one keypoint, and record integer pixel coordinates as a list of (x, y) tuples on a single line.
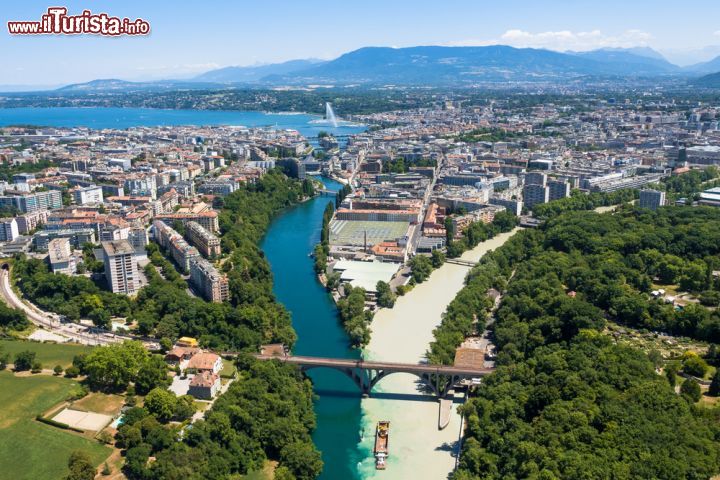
[(48, 354), (30, 450), (98, 402), (229, 369)]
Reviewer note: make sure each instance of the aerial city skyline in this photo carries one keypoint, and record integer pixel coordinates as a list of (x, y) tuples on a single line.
[(360, 241)]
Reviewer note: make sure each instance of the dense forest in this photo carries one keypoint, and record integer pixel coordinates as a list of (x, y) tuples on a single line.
[(266, 415), (12, 319), (583, 201), (566, 401)]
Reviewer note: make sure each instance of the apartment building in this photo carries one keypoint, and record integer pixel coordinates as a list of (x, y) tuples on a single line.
[(534, 194), (652, 199), (141, 186), (31, 202), (208, 281), (87, 195), (121, 270), (30, 221), (60, 256), (558, 189), (206, 242), (179, 249), (208, 220), (8, 229)]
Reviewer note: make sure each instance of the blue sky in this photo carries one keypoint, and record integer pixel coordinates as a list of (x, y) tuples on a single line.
[(189, 37)]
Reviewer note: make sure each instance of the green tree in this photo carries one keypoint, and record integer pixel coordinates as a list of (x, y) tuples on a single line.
[(24, 360), (655, 357), (4, 359), (714, 389), (115, 366), (80, 466), (671, 372), (161, 403), (695, 366), (302, 459), (437, 258), (12, 319), (691, 390), (421, 268), (185, 408), (153, 373), (385, 297), (58, 370)]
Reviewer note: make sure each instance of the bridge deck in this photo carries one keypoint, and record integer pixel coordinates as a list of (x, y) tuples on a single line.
[(385, 366)]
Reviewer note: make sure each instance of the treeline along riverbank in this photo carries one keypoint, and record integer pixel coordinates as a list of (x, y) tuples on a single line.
[(566, 400)]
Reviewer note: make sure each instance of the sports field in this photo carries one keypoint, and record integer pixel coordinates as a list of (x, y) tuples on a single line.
[(30, 450), (352, 232), (49, 354)]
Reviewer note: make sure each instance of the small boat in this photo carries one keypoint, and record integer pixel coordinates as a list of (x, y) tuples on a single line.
[(382, 435)]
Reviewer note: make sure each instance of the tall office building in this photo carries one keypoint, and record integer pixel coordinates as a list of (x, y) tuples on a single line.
[(652, 199), (120, 268)]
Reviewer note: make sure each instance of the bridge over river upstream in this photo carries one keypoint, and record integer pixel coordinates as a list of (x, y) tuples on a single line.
[(438, 378)]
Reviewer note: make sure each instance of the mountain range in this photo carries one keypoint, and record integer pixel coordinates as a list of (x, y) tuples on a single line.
[(431, 65)]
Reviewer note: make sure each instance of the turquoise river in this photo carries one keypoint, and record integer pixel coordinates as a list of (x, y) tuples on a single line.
[(287, 246)]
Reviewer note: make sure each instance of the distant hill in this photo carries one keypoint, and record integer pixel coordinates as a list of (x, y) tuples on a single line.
[(115, 85), (101, 84), (254, 74), (708, 81), (428, 65), (639, 51), (452, 65), (711, 66), (641, 61)]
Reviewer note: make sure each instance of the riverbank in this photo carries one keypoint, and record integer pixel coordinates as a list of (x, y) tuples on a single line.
[(418, 449)]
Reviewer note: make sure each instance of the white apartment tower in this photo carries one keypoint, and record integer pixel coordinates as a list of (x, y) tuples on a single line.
[(120, 268)]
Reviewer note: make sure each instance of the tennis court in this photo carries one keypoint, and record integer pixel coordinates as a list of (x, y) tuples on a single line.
[(83, 420)]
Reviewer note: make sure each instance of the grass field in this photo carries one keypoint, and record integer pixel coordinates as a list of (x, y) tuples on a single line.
[(30, 450), (99, 402), (49, 354), (228, 369)]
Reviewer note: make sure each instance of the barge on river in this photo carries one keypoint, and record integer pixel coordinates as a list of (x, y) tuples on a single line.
[(382, 434)]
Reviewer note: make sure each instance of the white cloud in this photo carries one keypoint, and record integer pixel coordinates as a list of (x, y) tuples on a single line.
[(566, 40), (717, 33)]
